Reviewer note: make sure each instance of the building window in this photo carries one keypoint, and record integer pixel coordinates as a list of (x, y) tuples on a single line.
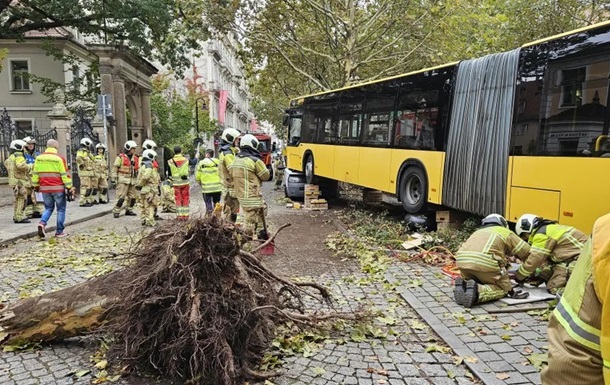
[(571, 86), (24, 127), (19, 75), (76, 77), (521, 130)]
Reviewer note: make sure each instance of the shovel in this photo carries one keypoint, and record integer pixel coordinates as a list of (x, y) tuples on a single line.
[(270, 248)]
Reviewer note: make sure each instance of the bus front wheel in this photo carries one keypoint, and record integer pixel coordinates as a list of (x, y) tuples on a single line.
[(310, 177), (413, 189)]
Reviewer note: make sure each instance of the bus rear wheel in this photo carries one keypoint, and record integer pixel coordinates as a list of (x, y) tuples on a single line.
[(413, 190), (310, 177)]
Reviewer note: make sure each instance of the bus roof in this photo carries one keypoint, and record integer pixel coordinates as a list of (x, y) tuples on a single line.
[(452, 63)]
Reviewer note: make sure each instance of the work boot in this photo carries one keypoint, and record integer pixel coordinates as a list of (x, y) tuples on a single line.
[(130, 213), (471, 294), (459, 290), (518, 294), (262, 235), (116, 215), (86, 205), (24, 220), (36, 215)]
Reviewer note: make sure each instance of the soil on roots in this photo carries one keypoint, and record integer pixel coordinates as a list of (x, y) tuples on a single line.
[(190, 305)]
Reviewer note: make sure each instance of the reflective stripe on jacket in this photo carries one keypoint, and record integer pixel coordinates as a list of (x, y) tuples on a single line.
[(148, 178), (50, 172), (226, 158), (84, 160), (247, 176), (100, 164), (125, 169), (486, 249), (208, 175), (179, 168), (579, 327), (553, 242)]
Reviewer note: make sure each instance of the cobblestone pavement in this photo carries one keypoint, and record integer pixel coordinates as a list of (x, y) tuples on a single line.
[(501, 342)]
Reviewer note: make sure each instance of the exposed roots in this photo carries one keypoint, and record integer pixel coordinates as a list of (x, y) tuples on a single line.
[(196, 307)]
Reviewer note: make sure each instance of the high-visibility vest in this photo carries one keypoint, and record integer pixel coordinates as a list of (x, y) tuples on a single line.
[(179, 168), (50, 172), (208, 176), (126, 169), (579, 327)]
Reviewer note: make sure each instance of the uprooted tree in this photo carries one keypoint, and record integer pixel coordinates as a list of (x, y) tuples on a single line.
[(192, 305)]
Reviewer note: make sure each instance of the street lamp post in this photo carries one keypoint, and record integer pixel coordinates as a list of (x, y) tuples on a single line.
[(203, 105)]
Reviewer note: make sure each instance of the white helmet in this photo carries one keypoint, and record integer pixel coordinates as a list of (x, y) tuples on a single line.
[(129, 145), (149, 144), (100, 145), (249, 140), (18, 145), (495, 219), (29, 140), (149, 154), (86, 142), (230, 134), (526, 223)]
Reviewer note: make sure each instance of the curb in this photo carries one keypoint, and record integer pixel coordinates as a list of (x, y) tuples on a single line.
[(479, 369), (68, 223)]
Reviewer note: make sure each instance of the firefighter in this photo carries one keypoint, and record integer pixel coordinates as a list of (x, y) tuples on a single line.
[(18, 179), (248, 171), (579, 327), (148, 185), (226, 156), (554, 249), (179, 176), (86, 173), (482, 262), (124, 175), (100, 180), (168, 199), (209, 178), (150, 145), (278, 172), (33, 207)]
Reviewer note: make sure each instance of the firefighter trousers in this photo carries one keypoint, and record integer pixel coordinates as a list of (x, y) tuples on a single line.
[(19, 194), (182, 195), (254, 218), (32, 206), (230, 207), (492, 285), (100, 190), (150, 202), (86, 190), (125, 198)]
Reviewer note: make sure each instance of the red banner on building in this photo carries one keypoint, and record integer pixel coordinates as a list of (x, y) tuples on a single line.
[(222, 106), (253, 125)]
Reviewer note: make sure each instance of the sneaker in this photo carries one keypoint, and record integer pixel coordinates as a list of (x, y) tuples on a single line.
[(41, 230), (459, 290), (471, 296), (61, 235)]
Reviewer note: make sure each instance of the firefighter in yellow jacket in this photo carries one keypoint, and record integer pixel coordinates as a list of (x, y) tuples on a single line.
[(100, 179), (148, 184), (18, 179), (86, 172), (226, 156), (579, 327), (168, 199), (208, 176), (249, 171), (554, 250), (482, 262)]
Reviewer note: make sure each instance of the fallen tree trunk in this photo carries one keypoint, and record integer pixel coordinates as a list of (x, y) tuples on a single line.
[(70, 312), (193, 306)]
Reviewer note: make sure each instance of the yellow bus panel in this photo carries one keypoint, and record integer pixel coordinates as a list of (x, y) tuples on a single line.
[(547, 206), (323, 159), (372, 174), (346, 160), (573, 177)]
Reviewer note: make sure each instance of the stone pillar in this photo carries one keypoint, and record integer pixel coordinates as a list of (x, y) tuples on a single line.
[(136, 133), (107, 88), (60, 120), (146, 113), (119, 111)]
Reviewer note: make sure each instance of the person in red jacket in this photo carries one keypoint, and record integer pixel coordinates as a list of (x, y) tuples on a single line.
[(50, 177)]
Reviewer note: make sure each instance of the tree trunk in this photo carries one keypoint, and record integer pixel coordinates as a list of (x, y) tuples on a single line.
[(69, 312)]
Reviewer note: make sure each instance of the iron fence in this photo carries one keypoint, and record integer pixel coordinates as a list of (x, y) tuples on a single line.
[(80, 128)]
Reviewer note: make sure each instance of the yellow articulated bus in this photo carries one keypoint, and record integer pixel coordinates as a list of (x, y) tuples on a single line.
[(524, 131)]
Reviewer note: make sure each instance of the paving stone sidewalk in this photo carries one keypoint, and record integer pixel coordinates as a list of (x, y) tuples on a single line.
[(500, 342)]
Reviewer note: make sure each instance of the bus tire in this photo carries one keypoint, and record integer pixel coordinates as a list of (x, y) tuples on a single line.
[(413, 189), (308, 168)]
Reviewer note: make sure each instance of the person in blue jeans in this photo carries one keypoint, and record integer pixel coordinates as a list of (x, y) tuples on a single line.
[(50, 177)]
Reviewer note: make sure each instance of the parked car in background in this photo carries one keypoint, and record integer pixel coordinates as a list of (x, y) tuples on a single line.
[(294, 184)]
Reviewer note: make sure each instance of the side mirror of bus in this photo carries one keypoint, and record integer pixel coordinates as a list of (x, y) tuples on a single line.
[(285, 120)]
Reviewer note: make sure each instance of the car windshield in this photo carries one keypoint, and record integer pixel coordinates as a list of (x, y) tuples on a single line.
[(264, 145)]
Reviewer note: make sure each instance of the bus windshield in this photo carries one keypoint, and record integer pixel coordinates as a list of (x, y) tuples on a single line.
[(294, 130)]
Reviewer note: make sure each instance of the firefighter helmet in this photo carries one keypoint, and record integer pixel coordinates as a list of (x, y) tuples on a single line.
[(86, 142), (149, 144), (100, 145), (249, 140), (149, 154), (29, 140), (18, 145), (495, 219), (526, 223), (129, 145), (230, 134)]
